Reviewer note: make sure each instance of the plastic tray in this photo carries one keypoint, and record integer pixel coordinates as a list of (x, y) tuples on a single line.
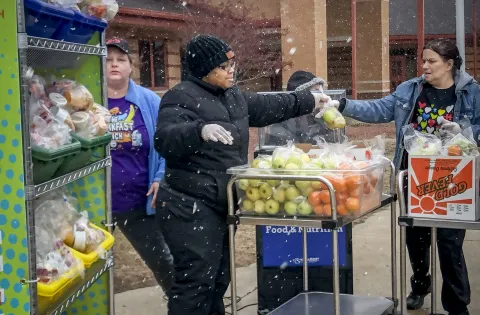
[(80, 29), (50, 293), (43, 19), (89, 259), (356, 191), (82, 158), (46, 162)]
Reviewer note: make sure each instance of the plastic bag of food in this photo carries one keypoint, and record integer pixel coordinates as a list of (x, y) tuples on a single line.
[(102, 9), (289, 157), (462, 144), (54, 259), (418, 143), (86, 238), (79, 98)]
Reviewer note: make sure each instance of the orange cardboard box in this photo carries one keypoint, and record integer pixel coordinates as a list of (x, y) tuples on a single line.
[(444, 187)]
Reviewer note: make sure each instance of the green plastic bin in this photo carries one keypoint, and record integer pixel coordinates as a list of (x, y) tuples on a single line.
[(46, 162), (83, 158)]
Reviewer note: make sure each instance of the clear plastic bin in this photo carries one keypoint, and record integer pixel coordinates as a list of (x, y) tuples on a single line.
[(357, 192), (89, 259), (299, 130)]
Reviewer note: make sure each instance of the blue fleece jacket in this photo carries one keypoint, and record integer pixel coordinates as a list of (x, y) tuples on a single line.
[(149, 103)]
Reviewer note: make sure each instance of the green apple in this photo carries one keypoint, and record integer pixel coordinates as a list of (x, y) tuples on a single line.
[(255, 182), (295, 159), (253, 193), (243, 184), (279, 163), (290, 208), (272, 207), (307, 191), (329, 163), (304, 208), (339, 122), (255, 163), (329, 115), (273, 183), (318, 163), (284, 183), (247, 205), (305, 158), (292, 193), (302, 184), (264, 165), (259, 206), (279, 195), (291, 166), (316, 185), (265, 191)]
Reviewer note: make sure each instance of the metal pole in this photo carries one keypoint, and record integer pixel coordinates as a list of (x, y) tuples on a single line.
[(403, 244), (305, 260), (433, 258), (460, 27), (336, 280), (231, 239), (393, 236), (474, 10), (420, 34), (354, 47)]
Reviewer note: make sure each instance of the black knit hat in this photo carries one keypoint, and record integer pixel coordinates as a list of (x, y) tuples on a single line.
[(205, 53), (302, 80)]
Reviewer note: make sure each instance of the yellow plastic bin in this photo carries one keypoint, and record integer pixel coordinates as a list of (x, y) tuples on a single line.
[(89, 259), (50, 293)]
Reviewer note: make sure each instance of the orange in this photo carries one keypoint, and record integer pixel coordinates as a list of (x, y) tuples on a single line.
[(324, 196), (361, 164), (318, 210), (454, 150), (345, 166), (339, 183), (352, 204), (342, 210), (353, 182), (355, 192), (373, 180), (314, 198), (327, 210), (367, 189), (341, 197)]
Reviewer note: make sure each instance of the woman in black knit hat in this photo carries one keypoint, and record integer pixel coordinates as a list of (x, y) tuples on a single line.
[(202, 131)]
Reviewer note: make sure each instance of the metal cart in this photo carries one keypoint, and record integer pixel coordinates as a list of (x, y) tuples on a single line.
[(317, 302), (407, 221)]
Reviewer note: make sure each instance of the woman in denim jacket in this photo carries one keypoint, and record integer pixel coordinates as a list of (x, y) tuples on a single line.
[(434, 103)]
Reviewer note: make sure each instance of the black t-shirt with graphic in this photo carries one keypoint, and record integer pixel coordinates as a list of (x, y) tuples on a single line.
[(431, 104)]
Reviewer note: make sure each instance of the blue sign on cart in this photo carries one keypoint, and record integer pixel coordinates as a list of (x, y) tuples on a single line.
[(283, 246)]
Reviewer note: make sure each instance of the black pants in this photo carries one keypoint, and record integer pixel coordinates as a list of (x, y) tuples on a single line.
[(198, 240), (455, 287), (143, 233)]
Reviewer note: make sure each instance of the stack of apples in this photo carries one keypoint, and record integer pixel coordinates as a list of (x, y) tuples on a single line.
[(303, 198)]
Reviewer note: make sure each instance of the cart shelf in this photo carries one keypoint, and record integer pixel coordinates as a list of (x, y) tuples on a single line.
[(48, 53), (92, 274), (308, 221), (320, 303), (438, 223), (70, 177)]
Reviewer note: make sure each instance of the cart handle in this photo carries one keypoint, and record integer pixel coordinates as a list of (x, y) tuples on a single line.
[(323, 180), (401, 197)]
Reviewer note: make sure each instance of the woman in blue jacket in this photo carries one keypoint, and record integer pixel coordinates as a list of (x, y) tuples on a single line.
[(137, 168), (443, 91)]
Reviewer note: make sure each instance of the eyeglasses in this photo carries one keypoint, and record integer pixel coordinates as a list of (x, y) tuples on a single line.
[(228, 67)]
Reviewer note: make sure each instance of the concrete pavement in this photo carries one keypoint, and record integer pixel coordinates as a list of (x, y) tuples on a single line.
[(371, 253)]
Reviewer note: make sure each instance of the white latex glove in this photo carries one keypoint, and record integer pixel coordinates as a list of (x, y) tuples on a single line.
[(449, 127), (214, 132), (323, 100)]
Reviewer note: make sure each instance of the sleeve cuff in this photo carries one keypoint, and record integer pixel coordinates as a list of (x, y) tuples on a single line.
[(343, 103)]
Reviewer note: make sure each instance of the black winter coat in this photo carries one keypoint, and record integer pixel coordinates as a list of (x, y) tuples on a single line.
[(198, 168)]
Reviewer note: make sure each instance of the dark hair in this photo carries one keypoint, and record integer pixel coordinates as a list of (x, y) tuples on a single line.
[(447, 49)]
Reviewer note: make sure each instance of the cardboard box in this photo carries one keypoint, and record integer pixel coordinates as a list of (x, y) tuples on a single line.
[(444, 187)]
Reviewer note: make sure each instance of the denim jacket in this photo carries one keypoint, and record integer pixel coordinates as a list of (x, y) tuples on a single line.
[(149, 104), (399, 107)]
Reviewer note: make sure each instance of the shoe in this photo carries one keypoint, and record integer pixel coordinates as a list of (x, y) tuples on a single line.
[(415, 301), (462, 313)]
